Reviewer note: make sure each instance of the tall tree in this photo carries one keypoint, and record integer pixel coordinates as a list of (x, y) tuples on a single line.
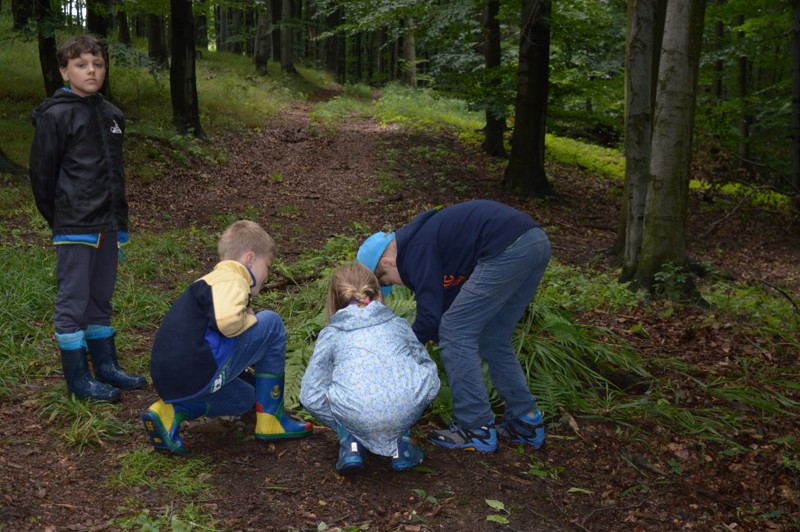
[(795, 177), (287, 53), (22, 12), (45, 31), (665, 215), (7, 166), (409, 53), (156, 40), (642, 49), (263, 42), (182, 74), (492, 53), (525, 171)]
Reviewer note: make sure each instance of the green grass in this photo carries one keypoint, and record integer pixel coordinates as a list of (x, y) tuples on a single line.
[(83, 423), (422, 110), (149, 469)]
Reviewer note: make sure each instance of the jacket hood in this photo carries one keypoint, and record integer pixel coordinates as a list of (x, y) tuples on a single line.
[(65, 96), (354, 317)]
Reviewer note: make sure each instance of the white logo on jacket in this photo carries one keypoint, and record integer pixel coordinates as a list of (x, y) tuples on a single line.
[(116, 129)]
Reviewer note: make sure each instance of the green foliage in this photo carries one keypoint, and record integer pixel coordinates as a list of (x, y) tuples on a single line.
[(671, 282), (192, 517), (597, 160), (578, 291), (339, 108), (421, 110), (187, 476), (27, 293), (765, 308)]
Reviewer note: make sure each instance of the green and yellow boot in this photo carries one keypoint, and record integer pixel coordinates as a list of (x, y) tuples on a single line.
[(162, 422), (272, 421)]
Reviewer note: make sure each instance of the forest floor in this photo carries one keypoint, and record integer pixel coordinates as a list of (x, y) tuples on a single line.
[(306, 184)]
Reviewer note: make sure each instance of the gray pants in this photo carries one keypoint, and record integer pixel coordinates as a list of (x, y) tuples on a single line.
[(85, 278)]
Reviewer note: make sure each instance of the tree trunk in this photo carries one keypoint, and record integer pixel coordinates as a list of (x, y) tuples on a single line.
[(664, 230), (639, 74), (7, 166), (525, 171), (236, 31), (182, 76), (747, 118), (97, 18), (628, 241), (124, 30), (795, 177), (45, 30), (156, 40), (201, 31), (276, 8), (22, 11), (495, 116), (409, 54), (263, 44), (287, 56)]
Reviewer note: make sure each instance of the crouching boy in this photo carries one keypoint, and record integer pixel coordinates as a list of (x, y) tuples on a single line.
[(210, 337)]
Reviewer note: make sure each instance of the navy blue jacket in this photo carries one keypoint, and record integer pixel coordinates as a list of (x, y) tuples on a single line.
[(439, 249), (198, 333)]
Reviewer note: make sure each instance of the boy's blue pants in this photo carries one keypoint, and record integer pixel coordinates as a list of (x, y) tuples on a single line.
[(263, 346), (479, 326)]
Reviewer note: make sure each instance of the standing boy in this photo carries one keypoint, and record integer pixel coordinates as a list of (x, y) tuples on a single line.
[(474, 268), (209, 338), (79, 186)]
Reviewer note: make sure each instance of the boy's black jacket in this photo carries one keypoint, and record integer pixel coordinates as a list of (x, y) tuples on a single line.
[(76, 164)]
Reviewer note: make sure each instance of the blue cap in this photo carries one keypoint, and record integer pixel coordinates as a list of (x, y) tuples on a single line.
[(371, 251)]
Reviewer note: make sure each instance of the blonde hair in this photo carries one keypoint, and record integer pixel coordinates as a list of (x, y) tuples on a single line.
[(351, 282), (243, 236)]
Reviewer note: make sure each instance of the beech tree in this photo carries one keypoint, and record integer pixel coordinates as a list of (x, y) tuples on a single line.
[(795, 177), (525, 171), (665, 213), (492, 53), (643, 45), (182, 75)]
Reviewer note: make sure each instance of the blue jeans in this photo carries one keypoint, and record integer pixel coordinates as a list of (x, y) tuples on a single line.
[(264, 346), (479, 325)]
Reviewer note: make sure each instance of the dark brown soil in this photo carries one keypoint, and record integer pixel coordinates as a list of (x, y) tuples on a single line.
[(305, 184)]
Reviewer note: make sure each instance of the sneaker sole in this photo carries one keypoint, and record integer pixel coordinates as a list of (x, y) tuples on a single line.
[(467, 447), (350, 468), (284, 435)]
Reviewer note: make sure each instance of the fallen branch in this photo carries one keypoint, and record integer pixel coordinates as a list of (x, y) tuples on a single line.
[(731, 213)]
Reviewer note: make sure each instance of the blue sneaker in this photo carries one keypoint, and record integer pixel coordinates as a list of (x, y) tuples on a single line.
[(482, 439), (351, 453), (528, 429), (408, 454)]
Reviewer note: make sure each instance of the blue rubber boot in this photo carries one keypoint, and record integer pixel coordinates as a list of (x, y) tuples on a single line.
[(272, 421), (103, 351), (351, 453), (162, 422), (528, 429), (408, 455), (76, 370)]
